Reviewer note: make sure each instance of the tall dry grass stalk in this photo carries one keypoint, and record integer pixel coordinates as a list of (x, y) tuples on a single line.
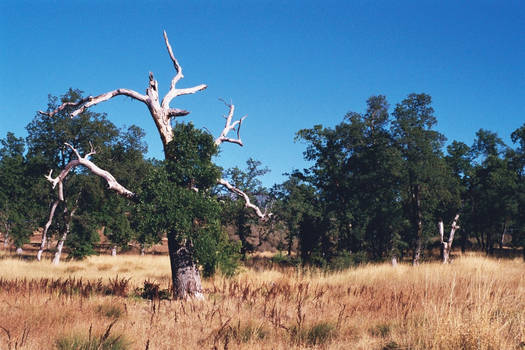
[(474, 303)]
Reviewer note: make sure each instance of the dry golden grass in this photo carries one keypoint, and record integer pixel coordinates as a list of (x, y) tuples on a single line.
[(474, 303)]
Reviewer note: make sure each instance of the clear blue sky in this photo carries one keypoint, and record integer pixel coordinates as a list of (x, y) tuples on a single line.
[(286, 64)]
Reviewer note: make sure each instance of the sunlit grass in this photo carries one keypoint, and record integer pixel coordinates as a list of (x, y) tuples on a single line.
[(473, 303)]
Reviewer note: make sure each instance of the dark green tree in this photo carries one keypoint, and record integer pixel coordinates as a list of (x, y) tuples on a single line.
[(16, 207), (357, 173), (424, 168), (518, 164), (56, 141), (493, 190)]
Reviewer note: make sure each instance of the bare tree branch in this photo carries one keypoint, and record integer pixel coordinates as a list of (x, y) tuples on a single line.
[(89, 101), (161, 113), (236, 125), (84, 161), (174, 92), (247, 201)]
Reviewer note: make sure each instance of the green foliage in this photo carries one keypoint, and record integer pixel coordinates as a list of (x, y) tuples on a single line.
[(110, 310), (82, 238), (152, 291), (17, 207), (317, 334), (213, 250), (169, 203), (346, 260), (188, 158), (351, 192), (102, 342)]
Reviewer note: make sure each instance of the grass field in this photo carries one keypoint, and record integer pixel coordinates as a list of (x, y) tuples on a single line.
[(474, 303)]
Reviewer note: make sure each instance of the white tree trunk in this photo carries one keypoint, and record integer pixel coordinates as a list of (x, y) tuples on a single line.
[(394, 261), (46, 228), (114, 250), (19, 251), (142, 251), (60, 245), (446, 246)]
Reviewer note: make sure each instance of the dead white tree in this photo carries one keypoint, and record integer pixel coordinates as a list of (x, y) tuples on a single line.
[(43, 243), (185, 273), (68, 215), (446, 246)]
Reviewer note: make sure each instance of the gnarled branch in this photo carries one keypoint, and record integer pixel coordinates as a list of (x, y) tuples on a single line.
[(236, 125), (161, 113), (247, 201), (84, 161)]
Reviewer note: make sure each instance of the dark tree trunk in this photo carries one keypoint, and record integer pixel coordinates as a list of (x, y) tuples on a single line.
[(463, 242), (489, 245), (418, 223), (185, 275)]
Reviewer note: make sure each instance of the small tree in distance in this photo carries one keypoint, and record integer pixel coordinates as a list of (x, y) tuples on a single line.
[(178, 177)]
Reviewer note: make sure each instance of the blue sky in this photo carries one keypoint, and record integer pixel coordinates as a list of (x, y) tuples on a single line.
[(288, 65)]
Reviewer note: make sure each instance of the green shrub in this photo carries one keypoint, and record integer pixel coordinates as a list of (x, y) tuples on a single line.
[(285, 260), (105, 341), (381, 330), (346, 260), (317, 334), (110, 310), (213, 250), (152, 291), (320, 333)]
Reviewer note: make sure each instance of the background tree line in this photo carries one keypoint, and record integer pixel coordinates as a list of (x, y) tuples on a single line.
[(378, 185)]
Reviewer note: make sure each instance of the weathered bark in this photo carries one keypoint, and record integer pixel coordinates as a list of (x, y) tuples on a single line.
[(142, 251), (446, 246), (114, 250), (46, 228), (418, 219), (186, 280)]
